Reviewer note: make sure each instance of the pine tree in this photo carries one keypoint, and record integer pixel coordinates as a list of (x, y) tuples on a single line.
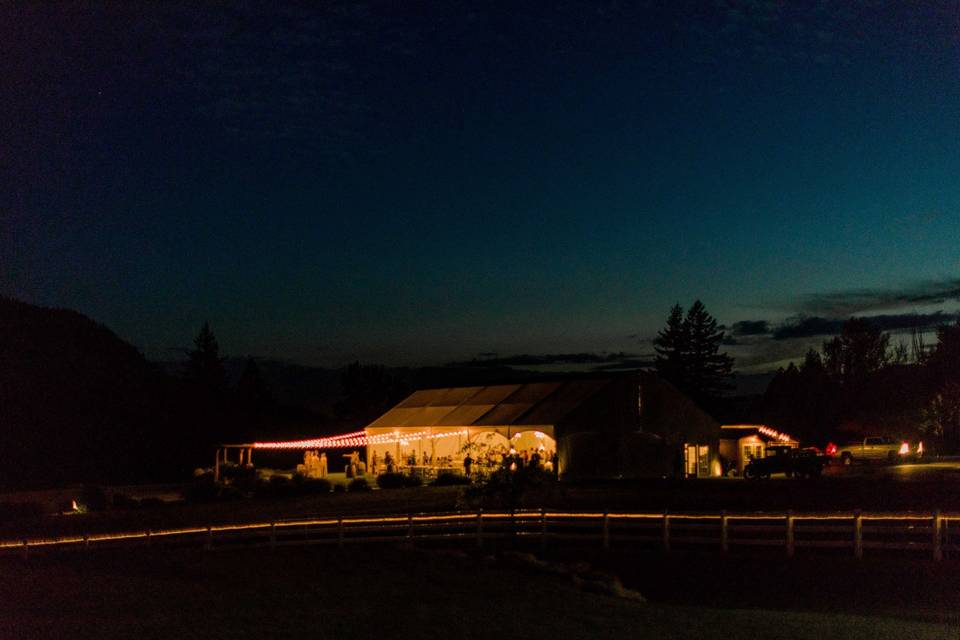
[(671, 346), (204, 364), (707, 371), (688, 354)]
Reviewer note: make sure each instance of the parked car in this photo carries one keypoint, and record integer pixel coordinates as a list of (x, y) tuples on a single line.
[(879, 449), (799, 463)]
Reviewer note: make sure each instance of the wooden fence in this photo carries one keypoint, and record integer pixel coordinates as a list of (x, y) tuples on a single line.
[(934, 535)]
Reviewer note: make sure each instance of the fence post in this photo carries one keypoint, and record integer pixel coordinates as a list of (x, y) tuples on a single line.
[(666, 531), (543, 527), (273, 535), (26, 549), (937, 536), (480, 527), (409, 526), (857, 535), (790, 543), (209, 543), (340, 531), (606, 530), (724, 532), (149, 539)]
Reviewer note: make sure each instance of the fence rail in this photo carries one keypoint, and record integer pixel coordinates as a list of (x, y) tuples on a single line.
[(933, 534)]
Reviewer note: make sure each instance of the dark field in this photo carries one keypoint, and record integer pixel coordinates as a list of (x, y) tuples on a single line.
[(401, 592)]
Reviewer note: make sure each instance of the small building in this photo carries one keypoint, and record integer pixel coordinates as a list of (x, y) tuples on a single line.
[(740, 443)]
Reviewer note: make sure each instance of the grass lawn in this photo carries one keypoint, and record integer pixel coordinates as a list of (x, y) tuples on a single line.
[(373, 592)]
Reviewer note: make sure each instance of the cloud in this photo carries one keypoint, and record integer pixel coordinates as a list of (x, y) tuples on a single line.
[(857, 301), (809, 326), (750, 328), (805, 327)]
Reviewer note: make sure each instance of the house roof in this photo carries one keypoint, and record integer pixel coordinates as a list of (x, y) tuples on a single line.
[(534, 403)]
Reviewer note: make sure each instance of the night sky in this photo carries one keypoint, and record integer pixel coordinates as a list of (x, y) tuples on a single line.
[(413, 183)]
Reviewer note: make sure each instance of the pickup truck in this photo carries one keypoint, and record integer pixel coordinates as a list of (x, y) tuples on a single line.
[(795, 463), (878, 449)]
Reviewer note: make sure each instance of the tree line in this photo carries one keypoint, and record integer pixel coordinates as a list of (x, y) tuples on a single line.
[(857, 382)]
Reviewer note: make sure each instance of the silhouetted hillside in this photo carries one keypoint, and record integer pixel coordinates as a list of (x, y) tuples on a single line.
[(79, 404)]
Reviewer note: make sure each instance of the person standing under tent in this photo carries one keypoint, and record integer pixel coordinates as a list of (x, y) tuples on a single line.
[(467, 463), (323, 464)]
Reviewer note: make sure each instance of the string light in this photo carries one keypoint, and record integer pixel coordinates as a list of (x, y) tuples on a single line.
[(357, 439)]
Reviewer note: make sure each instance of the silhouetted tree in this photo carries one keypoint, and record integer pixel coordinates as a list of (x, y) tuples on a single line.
[(860, 350), (204, 364), (688, 354), (708, 371), (671, 345), (941, 418), (944, 359)]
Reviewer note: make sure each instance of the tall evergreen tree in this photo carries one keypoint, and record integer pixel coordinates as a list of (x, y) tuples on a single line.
[(708, 372), (204, 364), (671, 345), (688, 354)]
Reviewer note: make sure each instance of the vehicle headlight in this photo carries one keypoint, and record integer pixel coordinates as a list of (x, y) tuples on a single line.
[(904, 449)]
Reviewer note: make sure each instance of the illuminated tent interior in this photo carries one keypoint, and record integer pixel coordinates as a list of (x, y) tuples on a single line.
[(600, 426), (621, 425)]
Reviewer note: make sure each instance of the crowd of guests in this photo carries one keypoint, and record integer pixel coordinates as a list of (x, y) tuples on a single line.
[(515, 460), (315, 463)]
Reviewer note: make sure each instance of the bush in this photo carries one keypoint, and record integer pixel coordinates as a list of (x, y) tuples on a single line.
[(243, 478), (506, 488), (277, 487), (358, 484), (412, 481), (312, 486), (391, 480), (92, 498), (339, 488), (448, 479)]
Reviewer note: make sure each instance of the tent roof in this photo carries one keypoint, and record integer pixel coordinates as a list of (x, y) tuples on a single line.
[(534, 403)]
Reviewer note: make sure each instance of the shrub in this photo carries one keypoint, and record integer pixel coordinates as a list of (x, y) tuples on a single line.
[(412, 481), (339, 488), (391, 480), (244, 478), (358, 484), (92, 498), (448, 479), (312, 486), (505, 488), (277, 487)]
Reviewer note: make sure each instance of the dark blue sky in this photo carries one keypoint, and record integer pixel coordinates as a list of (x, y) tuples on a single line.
[(427, 183)]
